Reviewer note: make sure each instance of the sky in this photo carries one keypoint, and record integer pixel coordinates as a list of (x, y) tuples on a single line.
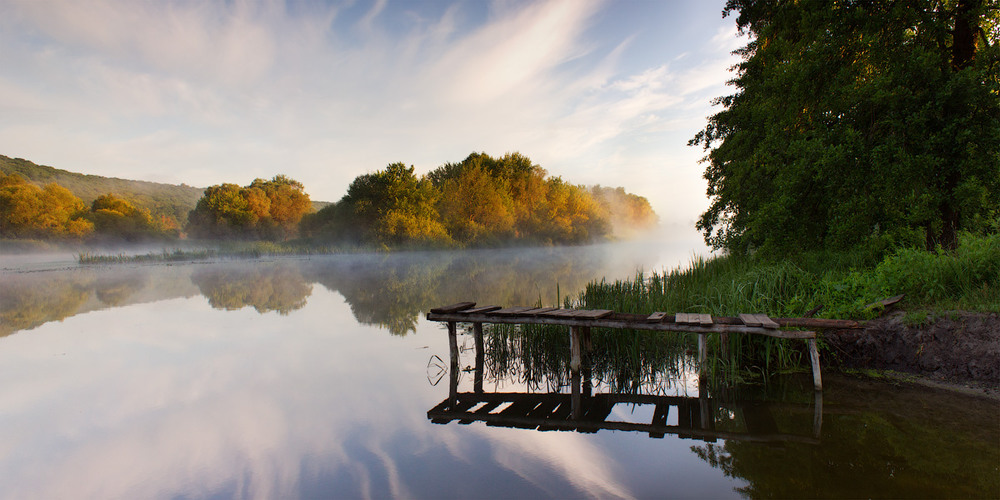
[(206, 92)]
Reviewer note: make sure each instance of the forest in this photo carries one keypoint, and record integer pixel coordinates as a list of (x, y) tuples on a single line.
[(478, 202), (856, 124)]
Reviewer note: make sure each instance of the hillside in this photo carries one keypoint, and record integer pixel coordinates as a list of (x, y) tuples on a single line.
[(167, 199)]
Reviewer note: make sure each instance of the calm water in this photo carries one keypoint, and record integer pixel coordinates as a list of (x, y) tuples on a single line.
[(293, 378)]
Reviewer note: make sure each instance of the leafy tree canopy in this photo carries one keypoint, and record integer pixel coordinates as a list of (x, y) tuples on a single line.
[(266, 209), (28, 211), (856, 122)]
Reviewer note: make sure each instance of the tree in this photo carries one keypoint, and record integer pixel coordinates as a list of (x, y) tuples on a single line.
[(27, 211), (115, 217), (392, 207), (856, 122), (269, 210)]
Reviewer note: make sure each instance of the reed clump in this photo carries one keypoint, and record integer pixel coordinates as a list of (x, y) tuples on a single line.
[(843, 284)]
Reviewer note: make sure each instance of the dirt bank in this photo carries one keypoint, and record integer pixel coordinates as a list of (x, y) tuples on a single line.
[(956, 348)]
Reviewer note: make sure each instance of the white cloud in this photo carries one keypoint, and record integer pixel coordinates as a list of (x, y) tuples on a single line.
[(210, 92)]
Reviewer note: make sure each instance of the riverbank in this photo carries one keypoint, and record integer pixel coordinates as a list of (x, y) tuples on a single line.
[(957, 349)]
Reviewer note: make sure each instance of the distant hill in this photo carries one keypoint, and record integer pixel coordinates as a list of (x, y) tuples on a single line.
[(166, 199)]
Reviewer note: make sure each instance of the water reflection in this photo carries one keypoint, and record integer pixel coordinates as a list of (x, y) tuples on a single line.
[(582, 409), (275, 287), (386, 290), (782, 440)]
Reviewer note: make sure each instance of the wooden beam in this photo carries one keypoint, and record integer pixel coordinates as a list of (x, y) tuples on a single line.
[(566, 319), (452, 308)]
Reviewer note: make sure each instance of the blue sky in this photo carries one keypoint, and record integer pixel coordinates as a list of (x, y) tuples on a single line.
[(209, 92)]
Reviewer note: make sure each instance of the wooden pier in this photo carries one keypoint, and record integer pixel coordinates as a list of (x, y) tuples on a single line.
[(580, 322), (582, 411)]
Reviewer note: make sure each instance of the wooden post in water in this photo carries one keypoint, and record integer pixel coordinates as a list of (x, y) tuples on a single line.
[(814, 358), (817, 414), (574, 348), (477, 330), (702, 347), (453, 347)]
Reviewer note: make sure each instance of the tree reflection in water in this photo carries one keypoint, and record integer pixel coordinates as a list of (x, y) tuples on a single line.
[(386, 290), (273, 287)]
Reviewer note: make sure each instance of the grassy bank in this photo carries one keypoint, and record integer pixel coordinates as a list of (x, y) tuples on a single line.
[(842, 285)]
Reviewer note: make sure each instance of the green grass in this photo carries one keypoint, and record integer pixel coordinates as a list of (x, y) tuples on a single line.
[(844, 284)]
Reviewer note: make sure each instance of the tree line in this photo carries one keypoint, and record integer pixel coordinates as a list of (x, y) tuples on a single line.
[(480, 201), (53, 212), (856, 123)]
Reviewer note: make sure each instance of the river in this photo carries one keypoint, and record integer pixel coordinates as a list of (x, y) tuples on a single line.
[(314, 378)]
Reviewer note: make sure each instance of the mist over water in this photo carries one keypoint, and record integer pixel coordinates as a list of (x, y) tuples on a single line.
[(313, 377)]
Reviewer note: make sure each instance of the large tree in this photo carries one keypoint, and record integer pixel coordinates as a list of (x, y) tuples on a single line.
[(266, 209), (854, 122)]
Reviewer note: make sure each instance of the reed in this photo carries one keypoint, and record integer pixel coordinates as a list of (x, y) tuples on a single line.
[(844, 283)]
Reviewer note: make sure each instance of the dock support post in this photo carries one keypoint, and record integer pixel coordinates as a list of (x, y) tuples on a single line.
[(574, 348), (477, 330), (817, 414), (814, 357), (702, 347), (453, 347)]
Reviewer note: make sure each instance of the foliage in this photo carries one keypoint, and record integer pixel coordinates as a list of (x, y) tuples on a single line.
[(480, 201), (115, 217), (873, 123), (269, 210), (844, 283), (27, 211), (162, 200)]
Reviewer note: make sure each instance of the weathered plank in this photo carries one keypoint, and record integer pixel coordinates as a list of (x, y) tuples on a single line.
[(750, 319), (453, 308), (559, 313), (480, 310), (682, 318), (886, 302), (512, 311), (704, 319), (656, 317), (538, 310), (592, 313), (766, 322)]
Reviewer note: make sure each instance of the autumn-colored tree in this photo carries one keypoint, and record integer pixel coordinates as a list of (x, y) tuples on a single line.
[(115, 217), (27, 211), (266, 209), (392, 207)]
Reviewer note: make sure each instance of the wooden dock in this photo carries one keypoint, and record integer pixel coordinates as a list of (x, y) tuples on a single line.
[(693, 417), (580, 321)]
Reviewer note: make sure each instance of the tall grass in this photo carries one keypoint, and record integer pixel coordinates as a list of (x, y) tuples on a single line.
[(844, 284)]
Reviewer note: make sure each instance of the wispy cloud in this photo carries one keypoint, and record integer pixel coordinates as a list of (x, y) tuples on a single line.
[(209, 92)]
